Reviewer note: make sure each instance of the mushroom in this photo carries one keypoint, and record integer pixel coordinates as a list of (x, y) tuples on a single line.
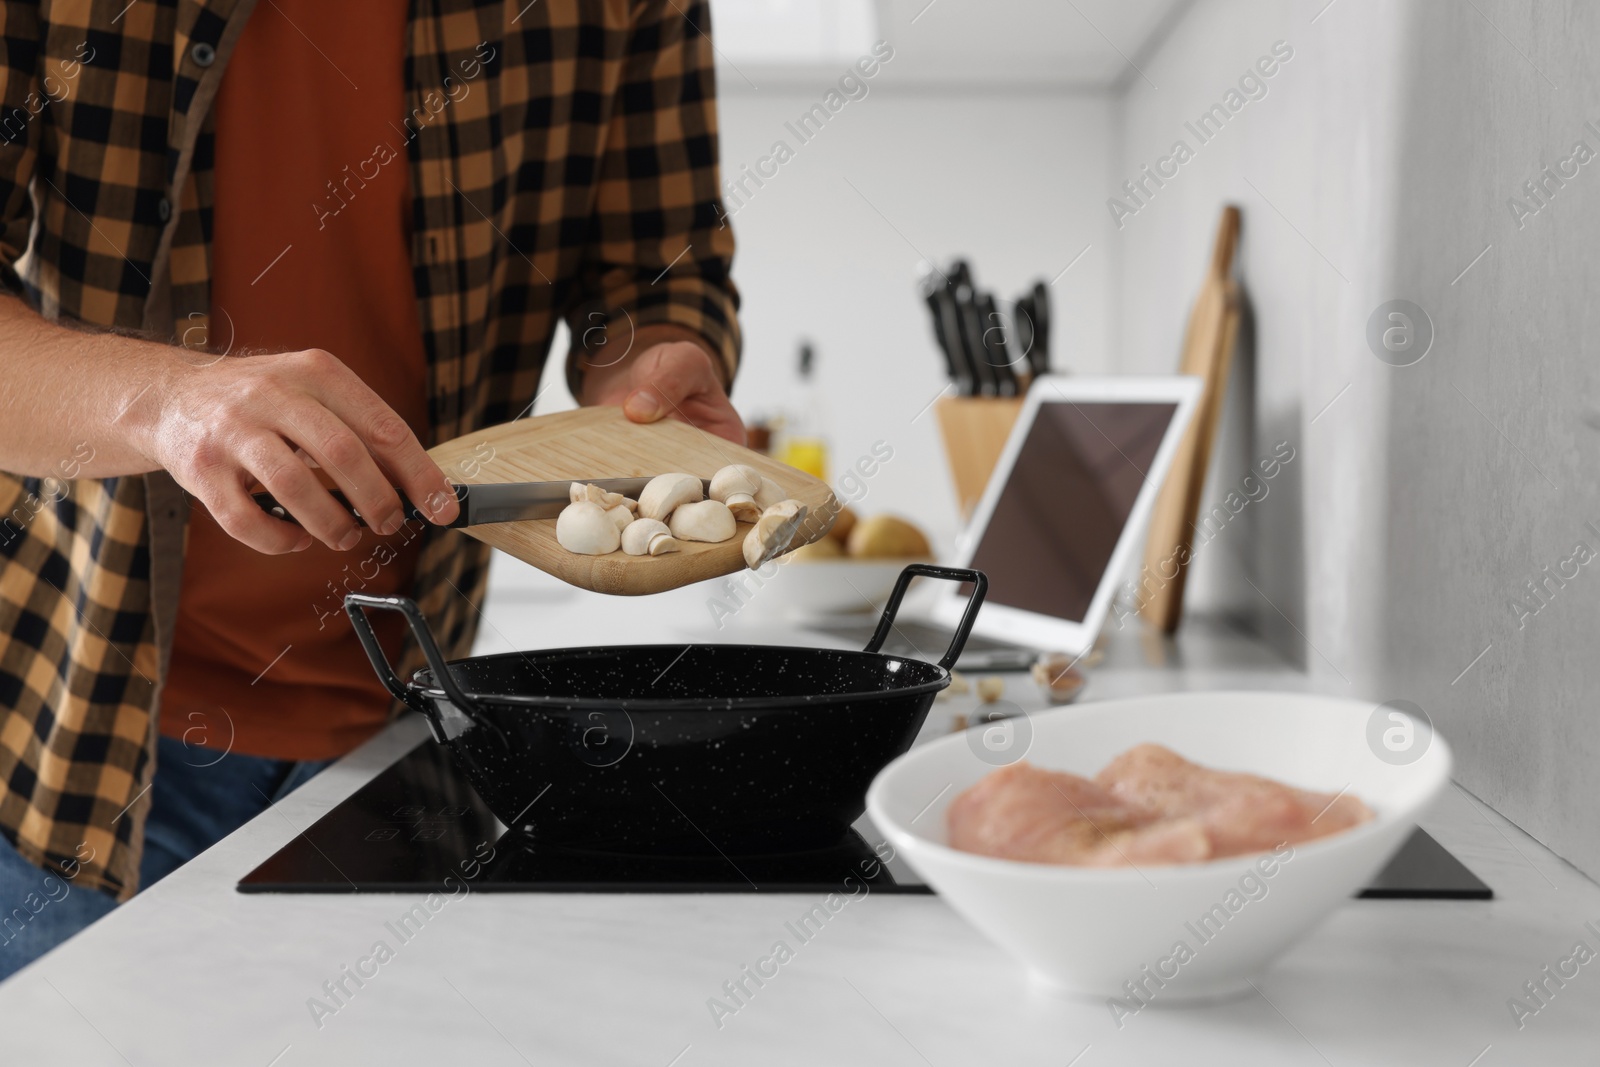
[(620, 515), (585, 528), (773, 532), (1058, 677), (736, 485), (648, 537), (664, 493), (769, 494), (581, 492), (702, 520)]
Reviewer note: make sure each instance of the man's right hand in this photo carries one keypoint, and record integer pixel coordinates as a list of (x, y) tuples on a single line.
[(222, 427)]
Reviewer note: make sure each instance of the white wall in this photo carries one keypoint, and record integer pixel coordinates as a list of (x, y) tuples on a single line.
[(829, 247), (1378, 167)]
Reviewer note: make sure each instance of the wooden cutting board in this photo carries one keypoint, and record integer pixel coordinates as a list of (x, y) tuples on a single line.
[(602, 443), (1207, 354)]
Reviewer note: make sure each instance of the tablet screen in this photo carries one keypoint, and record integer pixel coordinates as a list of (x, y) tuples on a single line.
[(1057, 520)]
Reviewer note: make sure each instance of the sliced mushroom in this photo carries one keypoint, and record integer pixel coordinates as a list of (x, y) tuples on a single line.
[(651, 537), (703, 520), (773, 532), (620, 515), (583, 492), (664, 493), (586, 529)]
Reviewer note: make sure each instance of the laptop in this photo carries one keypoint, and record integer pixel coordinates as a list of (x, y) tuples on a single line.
[(1056, 529)]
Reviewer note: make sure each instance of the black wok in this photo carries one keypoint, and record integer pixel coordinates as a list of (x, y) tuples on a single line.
[(675, 748)]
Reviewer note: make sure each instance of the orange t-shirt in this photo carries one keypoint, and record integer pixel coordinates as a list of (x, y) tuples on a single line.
[(311, 249)]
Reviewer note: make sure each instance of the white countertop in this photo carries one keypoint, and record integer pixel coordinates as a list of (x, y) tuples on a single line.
[(193, 972)]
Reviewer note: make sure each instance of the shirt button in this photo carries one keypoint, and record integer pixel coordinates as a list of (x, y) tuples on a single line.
[(164, 209), (203, 55)]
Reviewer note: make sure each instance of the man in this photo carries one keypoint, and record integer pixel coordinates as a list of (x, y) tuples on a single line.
[(294, 243)]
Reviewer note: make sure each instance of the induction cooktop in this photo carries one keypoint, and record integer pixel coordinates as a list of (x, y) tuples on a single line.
[(420, 825)]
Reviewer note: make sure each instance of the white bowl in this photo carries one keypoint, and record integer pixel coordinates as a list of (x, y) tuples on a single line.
[(1117, 933), (829, 586)]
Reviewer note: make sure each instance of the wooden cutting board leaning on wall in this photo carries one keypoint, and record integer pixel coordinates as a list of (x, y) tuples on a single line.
[(602, 443), (1207, 354)]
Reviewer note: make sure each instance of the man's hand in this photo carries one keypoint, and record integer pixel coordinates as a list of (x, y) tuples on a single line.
[(236, 421), (218, 425), (675, 379)]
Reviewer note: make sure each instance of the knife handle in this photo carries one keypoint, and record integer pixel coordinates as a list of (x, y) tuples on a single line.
[(964, 297), (269, 503), (956, 345), (1022, 325), (1041, 321), (932, 300), (995, 348)]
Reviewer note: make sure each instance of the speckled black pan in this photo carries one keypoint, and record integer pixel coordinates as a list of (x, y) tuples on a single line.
[(674, 748)]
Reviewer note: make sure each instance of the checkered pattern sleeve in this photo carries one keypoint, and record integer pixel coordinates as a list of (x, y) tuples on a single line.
[(20, 99), (660, 248)]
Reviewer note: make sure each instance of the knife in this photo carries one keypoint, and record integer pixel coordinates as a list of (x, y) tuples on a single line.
[(1039, 306), (1022, 316), (929, 285), (964, 295), (995, 349), (955, 344), (491, 501)]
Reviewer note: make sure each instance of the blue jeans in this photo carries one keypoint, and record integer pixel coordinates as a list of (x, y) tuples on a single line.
[(199, 797)]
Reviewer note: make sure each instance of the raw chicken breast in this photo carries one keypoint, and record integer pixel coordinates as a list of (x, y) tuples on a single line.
[(1240, 812), (1148, 806), (1021, 812)]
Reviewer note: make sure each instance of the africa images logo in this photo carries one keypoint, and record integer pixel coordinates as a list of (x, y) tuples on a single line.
[(1399, 732)]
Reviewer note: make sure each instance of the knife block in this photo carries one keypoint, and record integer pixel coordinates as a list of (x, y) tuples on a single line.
[(975, 429)]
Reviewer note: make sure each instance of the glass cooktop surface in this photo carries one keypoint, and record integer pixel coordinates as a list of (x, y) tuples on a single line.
[(419, 824)]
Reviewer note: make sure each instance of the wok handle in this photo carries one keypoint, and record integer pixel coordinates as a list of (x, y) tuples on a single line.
[(980, 586), (356, 605)]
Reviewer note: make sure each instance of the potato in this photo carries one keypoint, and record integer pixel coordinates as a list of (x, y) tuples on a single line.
[(842, 525), (887, 537), (825, 548)]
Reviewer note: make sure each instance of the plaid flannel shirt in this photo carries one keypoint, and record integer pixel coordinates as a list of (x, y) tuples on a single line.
[(563, 161)]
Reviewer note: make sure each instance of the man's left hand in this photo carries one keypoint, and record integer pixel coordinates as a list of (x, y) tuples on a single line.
[(670, 379)]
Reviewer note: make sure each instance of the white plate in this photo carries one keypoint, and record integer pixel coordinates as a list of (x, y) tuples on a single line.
[(1117, 933)]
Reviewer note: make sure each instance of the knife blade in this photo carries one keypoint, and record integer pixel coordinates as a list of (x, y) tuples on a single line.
[(491, 501)]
